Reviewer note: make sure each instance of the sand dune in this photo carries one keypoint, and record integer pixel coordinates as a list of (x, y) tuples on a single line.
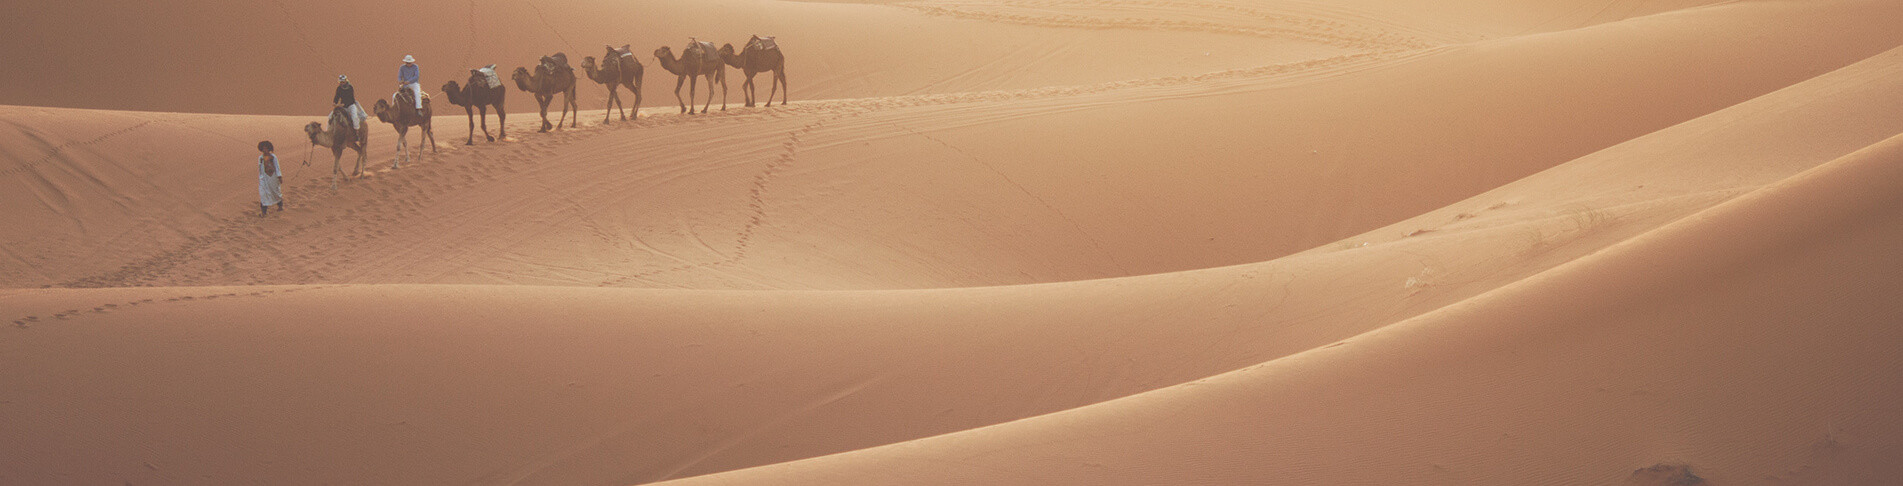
[(1010, 242), (998, 187)]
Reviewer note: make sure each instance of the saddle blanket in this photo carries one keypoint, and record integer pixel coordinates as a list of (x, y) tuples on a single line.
[(708, 51), (762, 43), (489, 73), (557, 61)]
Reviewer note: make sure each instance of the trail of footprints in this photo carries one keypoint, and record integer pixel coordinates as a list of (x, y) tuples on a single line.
[(57, 151), (30, 320), (756, 205)]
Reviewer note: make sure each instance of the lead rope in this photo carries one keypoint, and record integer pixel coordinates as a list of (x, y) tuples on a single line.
[(307, 162)]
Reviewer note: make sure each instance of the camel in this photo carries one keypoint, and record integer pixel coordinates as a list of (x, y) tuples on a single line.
[(479, 95), (618, 68), (698, 59), (403, 119), (342, 133), (761, 55), (548, 80)]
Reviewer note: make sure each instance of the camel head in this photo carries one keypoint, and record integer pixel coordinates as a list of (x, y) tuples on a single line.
[(522, 79), (382, 109), (666, 56), (733, 59), (588, 64), (312, 129)]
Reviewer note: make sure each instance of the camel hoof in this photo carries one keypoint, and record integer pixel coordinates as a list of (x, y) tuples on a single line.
[(472, 142), (492, 139)]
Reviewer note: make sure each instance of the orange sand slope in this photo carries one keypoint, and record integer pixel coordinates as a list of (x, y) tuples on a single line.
[(1013, 242)]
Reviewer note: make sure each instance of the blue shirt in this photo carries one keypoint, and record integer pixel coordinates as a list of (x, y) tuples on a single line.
[(409, 73)]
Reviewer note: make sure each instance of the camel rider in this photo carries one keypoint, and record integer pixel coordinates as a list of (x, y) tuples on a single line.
[(346, 98), (411, 77)]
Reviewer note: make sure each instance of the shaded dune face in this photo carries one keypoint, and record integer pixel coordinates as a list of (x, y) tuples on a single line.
[(1005, 242)]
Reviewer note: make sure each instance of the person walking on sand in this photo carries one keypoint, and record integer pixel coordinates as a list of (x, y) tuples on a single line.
[(411, 77), (270, 180), (346, 97)]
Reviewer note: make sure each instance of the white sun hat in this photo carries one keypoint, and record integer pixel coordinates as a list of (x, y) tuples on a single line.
[(407, 58), (341, 77)]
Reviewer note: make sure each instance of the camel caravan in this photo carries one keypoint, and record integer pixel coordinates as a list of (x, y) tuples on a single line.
[(617, 68)]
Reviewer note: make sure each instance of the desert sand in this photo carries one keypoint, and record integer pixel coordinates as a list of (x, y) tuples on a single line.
[(988, 242)]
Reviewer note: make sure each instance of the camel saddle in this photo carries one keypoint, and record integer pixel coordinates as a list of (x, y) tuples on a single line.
[(340, 121), (762, 44), (488, 73), (407, 103), (707, 50), (626, 50)]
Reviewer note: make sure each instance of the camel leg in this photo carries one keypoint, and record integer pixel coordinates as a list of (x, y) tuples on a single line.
[(693, 92), (569, 101), (402, 143), (484, 109), (619, 108), (779, 79), (723, 91), (608, 109), (502, 124), (710, 95), (746, 88), (472, 125), (678, 81), (363, 151), (544, 103), (430, 131), (608, 114), (565, 102), (773, 88)]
